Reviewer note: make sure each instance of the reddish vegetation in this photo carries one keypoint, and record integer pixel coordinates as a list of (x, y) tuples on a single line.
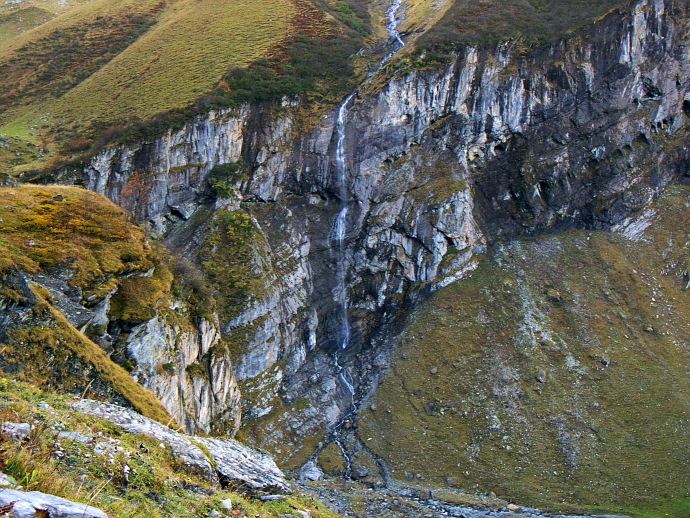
[(306, 21)]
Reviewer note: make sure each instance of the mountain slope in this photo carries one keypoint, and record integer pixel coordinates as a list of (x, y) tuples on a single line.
[(71, 83), (87, 306), (492, 21), (71, 453), (52, 234), (102, 64), (558, 372)]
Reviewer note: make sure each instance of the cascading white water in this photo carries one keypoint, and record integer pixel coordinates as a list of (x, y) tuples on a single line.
[(340, 227), (392, 26)]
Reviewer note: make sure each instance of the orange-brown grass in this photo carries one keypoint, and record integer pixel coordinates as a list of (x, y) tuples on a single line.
[(47, 226)]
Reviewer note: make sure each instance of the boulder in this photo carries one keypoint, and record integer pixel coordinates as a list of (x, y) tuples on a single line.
[(231, 461), (187, 452), (245, 466), (27, 503), (16, 430), (310, 472)]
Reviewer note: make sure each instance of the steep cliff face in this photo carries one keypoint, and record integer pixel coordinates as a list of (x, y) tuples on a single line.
[(178, 364), (501, 143)]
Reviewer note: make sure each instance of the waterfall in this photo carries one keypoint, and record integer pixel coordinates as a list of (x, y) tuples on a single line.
[(339, 231)]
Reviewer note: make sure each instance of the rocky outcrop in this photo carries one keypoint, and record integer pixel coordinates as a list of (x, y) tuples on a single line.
[(503, 142), (183, 158), (235, 463), (177, 361), (225, 461), (179, 365)]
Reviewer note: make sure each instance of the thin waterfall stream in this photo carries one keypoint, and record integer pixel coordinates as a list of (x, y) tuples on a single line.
[(340, 229)]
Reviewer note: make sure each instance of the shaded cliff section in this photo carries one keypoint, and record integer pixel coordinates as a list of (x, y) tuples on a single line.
[(502, 143)]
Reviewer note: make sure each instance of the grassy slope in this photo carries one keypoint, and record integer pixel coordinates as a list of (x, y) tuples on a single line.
[(54, 338), (607, 320), (489, 21), (43, 227), (178, 60), (158, 485), (46, 226)]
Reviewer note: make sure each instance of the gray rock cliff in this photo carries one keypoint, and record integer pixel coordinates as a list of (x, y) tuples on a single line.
[(502, 142)]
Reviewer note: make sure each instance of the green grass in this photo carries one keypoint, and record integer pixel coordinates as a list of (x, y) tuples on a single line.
[(231, 260), (178, 60), (158, 484), (608, 430), (21, 20), (184, 54), (53, 64), (16, 19)]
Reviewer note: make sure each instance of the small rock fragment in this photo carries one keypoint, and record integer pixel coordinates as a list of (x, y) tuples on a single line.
[(7, 481), (310, 472), (553, 295), (16, 430), (360, 472), (541, 376)]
